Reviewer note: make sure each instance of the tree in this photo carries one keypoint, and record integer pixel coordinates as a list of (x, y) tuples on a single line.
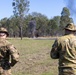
[(13, 27), (53, 26), (41, 23), (65, 12), (20, 8), (65, 19), (3, 22)]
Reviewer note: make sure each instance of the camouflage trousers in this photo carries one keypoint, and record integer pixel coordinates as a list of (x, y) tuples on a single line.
[(5, 72), (67, 71)]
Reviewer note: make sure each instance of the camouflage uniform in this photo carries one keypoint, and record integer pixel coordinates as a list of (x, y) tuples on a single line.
[(64, 49), (8, 55)]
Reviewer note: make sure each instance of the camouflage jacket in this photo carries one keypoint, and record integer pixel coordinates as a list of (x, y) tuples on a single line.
[(8, 54), (64, 49)]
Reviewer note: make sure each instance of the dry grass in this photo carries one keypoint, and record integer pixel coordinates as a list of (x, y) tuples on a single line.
[(34, 57)]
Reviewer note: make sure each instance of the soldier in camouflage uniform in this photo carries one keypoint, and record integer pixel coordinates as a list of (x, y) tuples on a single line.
[(64, 49), (8, 53)]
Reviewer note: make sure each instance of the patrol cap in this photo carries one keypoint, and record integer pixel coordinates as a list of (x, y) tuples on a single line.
[(70, 27), (4, 30)]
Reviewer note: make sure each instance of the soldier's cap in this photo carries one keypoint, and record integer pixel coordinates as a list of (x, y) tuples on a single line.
[(4, 30), (70, 27)]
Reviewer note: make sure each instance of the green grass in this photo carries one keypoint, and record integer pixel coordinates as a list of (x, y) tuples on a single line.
[(34, 57)]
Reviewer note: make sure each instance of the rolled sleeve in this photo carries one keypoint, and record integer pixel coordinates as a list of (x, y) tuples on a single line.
[(54, 51)]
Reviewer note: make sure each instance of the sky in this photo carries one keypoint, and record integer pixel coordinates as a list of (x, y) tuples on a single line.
[(50, 8)]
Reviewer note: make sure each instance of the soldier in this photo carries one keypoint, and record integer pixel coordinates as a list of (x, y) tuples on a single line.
[(64, 49), (8, 53)]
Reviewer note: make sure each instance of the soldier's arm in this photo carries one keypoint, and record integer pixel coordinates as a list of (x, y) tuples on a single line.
[(14, 54), (54, 53)]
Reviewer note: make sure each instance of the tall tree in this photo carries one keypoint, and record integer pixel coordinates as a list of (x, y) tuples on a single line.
[(20, 8), (65, 18)]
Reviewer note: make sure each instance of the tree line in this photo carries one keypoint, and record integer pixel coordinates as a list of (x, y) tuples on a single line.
[(43, 25)]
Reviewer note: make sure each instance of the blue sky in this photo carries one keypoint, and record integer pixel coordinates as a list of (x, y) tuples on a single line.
[(50, 8)]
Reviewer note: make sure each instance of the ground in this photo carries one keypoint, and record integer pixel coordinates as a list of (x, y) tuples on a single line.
[(34, 57)]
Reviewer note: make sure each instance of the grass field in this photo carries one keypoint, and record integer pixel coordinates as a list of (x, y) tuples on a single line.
[(34, 57)]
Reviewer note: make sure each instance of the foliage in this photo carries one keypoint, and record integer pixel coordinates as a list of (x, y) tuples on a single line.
[(65, 19), (53, 26), (65, 12), (44, 26), (20, 7)]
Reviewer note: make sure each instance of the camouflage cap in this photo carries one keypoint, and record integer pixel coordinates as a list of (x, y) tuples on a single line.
[(4, 30), (70, 27)]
